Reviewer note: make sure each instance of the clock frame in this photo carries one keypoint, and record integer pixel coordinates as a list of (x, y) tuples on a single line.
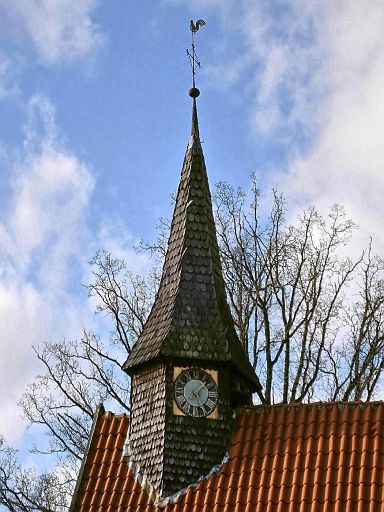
[(195, 392)]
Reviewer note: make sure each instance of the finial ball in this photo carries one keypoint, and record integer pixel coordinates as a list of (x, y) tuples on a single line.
[(194, 92)]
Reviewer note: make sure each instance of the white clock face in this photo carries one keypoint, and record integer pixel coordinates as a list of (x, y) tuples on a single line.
[(195, 392)]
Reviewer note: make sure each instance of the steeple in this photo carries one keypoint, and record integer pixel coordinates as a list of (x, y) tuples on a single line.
[(190, 317), (188, 368)]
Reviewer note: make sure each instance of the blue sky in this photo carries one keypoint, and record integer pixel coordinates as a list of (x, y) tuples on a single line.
[(96, 117)]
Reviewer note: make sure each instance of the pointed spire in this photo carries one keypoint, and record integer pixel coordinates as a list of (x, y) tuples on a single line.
[(194, 93), (195, 123), (190, 318)]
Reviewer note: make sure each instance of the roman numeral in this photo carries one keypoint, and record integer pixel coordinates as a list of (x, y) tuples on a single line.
[(183, 377), (206, 378), (210, 403), (180, 400), (206, 410)]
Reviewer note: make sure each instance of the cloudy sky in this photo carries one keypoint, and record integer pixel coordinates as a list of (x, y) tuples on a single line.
[(95, 118)]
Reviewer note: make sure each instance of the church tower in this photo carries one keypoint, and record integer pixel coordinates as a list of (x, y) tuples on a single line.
[(188, 368)]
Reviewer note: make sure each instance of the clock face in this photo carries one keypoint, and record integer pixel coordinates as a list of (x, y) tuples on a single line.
[(195, 392)]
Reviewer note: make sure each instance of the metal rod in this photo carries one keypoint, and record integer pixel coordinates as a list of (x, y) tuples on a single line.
[(192, 54)]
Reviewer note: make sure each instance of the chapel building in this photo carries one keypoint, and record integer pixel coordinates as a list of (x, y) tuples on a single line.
[(193, 441)]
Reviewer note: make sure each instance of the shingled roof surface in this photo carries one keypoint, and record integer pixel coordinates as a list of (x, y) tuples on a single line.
[(326, 457), (190, 318)]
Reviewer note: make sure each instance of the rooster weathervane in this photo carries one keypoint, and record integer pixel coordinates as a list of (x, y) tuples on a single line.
[(192, 53)]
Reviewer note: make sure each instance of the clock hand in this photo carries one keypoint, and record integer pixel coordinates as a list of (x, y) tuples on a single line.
[(197, 391), (202, 385)]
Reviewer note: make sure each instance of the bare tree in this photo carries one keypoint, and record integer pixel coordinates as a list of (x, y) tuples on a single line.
[(25, 490), (311, 319), (77, 376), (360, 352)]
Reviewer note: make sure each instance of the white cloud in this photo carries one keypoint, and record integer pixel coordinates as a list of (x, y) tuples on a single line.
[(346, 164), (60, 30), (312, 74), (114, 238), (269, 52), (43, 241), (45, 247)]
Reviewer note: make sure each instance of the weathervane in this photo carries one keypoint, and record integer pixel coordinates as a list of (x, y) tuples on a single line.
[(192, 53)]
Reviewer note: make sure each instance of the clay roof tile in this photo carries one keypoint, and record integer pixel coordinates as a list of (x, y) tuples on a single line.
[(320, 457)]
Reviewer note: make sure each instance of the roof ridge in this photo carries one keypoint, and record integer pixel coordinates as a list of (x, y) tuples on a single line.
[(301, 405)]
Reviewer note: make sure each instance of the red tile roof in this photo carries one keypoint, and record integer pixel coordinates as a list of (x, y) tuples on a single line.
[(320, 457)]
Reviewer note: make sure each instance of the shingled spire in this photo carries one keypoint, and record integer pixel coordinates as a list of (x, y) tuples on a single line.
[(190, 318), (189, 370)]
